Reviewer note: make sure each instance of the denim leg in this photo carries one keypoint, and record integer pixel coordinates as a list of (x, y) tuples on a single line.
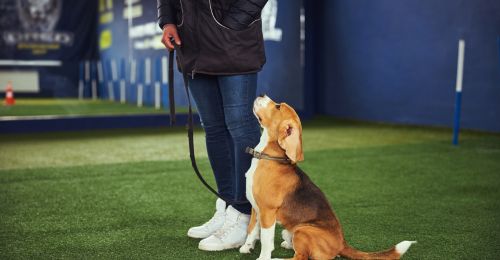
[(238, 93), (208, 99)]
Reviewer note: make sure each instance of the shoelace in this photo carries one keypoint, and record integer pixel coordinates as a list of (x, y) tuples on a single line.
[(225, 230), (214, 219)]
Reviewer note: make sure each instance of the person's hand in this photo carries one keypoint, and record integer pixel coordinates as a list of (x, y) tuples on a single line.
[(170, 31)]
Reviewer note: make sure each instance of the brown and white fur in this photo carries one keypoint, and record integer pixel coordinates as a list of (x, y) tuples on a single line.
[(282, 193)]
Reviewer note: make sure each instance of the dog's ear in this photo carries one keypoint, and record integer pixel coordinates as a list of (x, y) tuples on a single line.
[(290, 139)]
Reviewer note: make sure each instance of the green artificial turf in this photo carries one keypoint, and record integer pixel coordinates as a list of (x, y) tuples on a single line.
[(386, 184), (73, 107)]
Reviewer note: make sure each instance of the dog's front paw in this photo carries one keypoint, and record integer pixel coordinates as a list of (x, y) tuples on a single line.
[(286, 245), (264, 257), (245, 249)]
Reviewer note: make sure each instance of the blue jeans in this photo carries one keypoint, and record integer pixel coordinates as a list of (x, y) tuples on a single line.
[(225, 107)]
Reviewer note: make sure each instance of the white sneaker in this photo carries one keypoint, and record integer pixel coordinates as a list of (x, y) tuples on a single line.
[(231, 235), (214, 224)]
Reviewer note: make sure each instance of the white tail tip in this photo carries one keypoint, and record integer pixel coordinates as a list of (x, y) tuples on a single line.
[(402, 247)]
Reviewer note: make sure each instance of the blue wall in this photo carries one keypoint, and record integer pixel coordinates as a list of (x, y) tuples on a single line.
[(395, 60)]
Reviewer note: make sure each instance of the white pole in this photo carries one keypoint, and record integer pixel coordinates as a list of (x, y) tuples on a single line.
[(114, 77), (147, 74), (111, 91), (114, 70), (157, 95), (87, 79), (460, 65), (122, 91), (100, 75), (164, 70), (100, 72), (80, 89), (94, 89), (87, 71), (133, 71), (147, 71), (139, 94), (458, 93)]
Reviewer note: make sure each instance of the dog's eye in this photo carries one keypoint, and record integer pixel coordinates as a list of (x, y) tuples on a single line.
[(278, 106)]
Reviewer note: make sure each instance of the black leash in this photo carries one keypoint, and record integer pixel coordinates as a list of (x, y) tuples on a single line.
[(171, 97), (190, 117)]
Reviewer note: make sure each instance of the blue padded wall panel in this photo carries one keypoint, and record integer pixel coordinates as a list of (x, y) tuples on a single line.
[(395, 61)]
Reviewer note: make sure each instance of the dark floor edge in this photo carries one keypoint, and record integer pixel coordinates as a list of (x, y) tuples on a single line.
[(82, 123)]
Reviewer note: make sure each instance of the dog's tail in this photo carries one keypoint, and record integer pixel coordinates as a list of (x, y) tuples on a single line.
[(394, 253)]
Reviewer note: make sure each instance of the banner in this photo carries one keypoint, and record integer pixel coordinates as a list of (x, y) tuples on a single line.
[(47, 29)]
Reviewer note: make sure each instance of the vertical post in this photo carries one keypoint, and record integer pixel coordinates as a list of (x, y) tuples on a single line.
[(111, 92), (164, 78), (164, 70), (133, 71), (86, 71), (158, 72), (458, 91), (94, 80), (100, 72), (139, 78), (139, 94), (114, 70), (100, 76), (81, 79), (147, 80), (147, 71), (123, 93), (114, 76), (157, 95)]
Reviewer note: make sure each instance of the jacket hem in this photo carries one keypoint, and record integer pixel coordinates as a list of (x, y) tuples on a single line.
[(224, 73)]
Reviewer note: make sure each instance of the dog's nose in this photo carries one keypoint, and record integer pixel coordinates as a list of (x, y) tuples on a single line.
[(262, 95)]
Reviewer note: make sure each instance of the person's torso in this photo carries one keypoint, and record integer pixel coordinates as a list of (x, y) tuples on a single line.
[(209, 47)]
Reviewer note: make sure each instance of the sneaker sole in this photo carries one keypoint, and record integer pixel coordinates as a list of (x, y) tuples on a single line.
[(207, 248), (191, 235)]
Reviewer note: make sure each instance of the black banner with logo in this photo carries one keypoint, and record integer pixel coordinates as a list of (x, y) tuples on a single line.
[(48, 29)]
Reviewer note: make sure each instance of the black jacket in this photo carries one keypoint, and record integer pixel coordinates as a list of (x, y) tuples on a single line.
[(219, 37)]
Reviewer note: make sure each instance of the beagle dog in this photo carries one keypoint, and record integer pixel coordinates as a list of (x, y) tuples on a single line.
[(280, 192)]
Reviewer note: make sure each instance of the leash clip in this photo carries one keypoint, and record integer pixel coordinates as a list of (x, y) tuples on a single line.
[(254, 153)]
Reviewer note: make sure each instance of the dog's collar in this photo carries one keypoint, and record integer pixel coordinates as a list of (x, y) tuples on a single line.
[(260, 155)]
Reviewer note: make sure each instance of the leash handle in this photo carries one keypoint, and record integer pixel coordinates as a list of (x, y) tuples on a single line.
[(190, 125)]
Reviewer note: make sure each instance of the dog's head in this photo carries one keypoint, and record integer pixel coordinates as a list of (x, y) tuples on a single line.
[(282, 125)]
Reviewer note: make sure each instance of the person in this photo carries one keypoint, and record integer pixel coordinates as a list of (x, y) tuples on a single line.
[(223, 49)]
